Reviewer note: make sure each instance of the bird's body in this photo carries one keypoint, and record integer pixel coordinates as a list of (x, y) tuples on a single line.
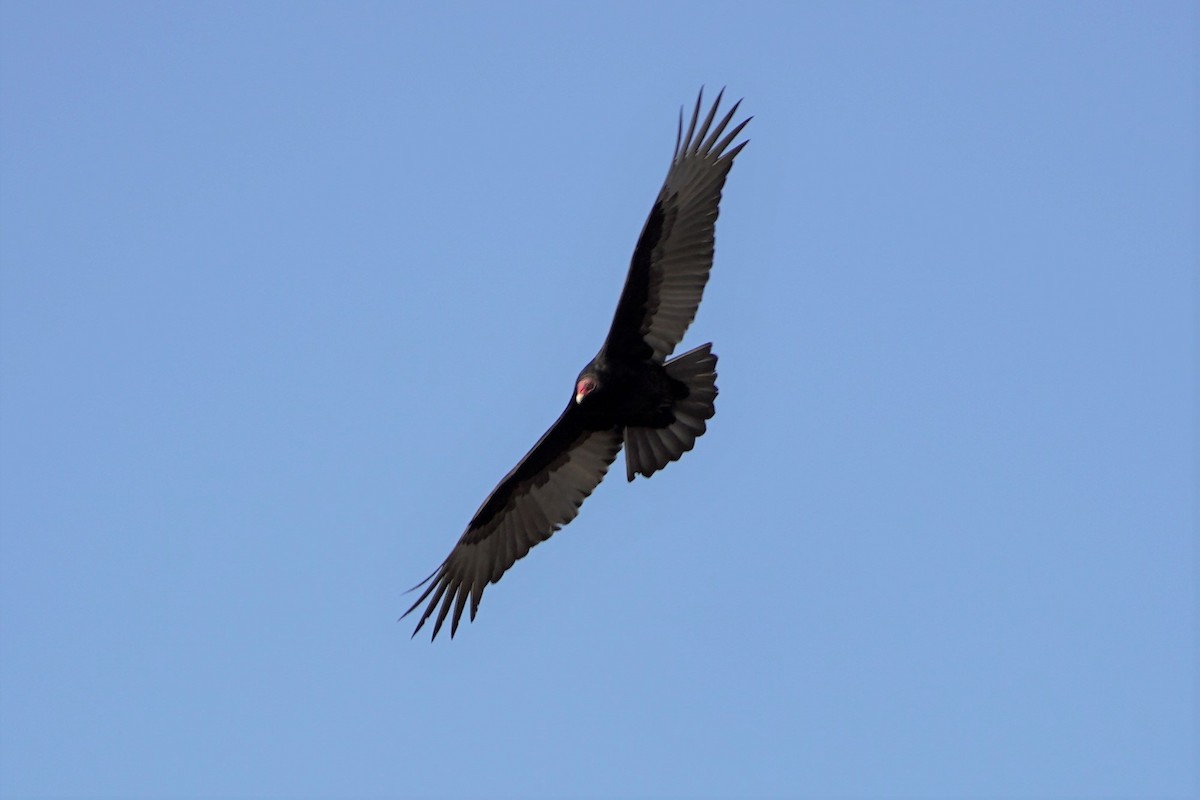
[(629, 395)]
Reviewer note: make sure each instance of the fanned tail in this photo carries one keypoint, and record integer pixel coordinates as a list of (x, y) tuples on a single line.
[(648, 450)]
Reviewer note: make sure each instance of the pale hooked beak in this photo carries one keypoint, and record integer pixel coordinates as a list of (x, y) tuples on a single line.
[(582, 389)]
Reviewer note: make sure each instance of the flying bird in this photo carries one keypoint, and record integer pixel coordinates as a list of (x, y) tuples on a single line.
[(629, 395)]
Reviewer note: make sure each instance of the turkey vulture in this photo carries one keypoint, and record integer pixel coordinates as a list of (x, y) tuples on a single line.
[(628, 395)]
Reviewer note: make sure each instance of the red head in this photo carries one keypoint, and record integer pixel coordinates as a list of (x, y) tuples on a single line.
[(586, 385)]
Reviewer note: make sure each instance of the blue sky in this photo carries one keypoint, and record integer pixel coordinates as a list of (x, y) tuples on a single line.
[(285, 288)]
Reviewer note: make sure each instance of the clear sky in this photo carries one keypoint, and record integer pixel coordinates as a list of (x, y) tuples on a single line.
[(286, 288)]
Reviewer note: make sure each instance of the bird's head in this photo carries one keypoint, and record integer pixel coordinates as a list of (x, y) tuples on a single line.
[(586, 384)]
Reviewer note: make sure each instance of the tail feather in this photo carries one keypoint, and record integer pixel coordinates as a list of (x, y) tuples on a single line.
[(648, 450)]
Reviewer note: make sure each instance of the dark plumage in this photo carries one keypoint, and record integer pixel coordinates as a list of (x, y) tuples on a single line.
[(628, 395)]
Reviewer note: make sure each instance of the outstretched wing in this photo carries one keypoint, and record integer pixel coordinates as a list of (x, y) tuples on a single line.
[(675, 251), (540, 495)]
